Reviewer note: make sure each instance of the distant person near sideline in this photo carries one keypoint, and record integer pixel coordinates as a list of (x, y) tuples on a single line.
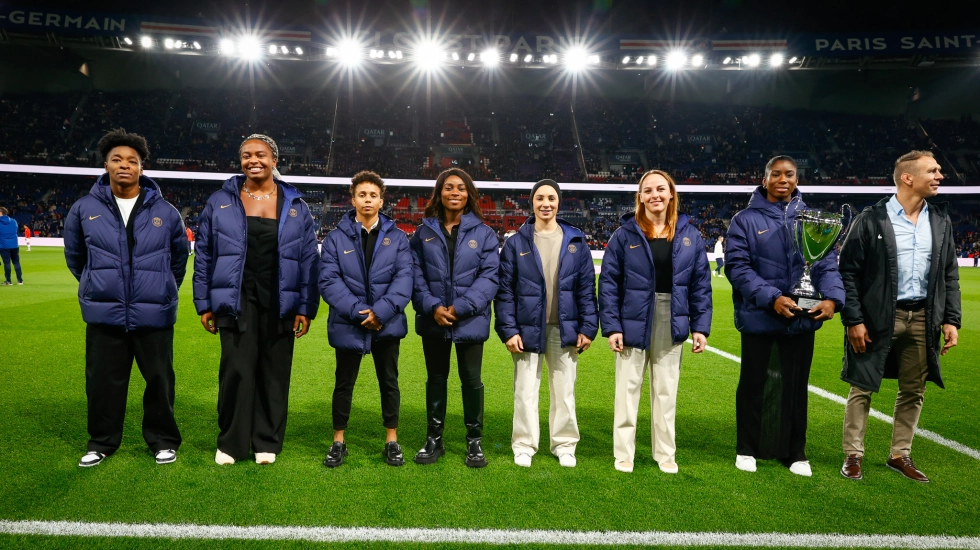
[(719, 256), (190, 240), (27, 237), (903, 301), (126, 246), (9, 248)]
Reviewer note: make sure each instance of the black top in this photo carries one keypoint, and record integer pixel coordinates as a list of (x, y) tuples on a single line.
[(663, 264), (260, 281), (368, 240), (451, 237)]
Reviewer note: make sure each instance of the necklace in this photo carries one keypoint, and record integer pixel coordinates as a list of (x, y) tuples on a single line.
[(259, 197)]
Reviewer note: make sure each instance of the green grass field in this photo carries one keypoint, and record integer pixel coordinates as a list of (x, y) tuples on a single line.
[(43, 434)]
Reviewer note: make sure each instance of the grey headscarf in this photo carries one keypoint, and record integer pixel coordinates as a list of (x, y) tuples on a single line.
[(272, 145)]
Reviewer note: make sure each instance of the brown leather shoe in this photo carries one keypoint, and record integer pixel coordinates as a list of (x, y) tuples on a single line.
[(852, 467), (906, 467)]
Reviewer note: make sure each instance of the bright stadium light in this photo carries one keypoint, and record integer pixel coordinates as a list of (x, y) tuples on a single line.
[(651, 60), (513, 58), (553, 58), (697, 60), (676, 59), (594, 59), (752, 60), (146, 42), (528, 58), (168, 43), (127, 41), (227, 46), (490, 57), (398, 54), (197, 45), (576, 59), (626, 60), (776, 60), (331, 52), (284, 49), (455, 56), (273, 49), (249, 48), (726, 61), (639, 60), (471, 57), (428, 55), (299, 51), (793, 59), (349, 52)]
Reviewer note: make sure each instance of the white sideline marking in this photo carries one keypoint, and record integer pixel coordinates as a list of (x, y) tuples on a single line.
[(479, 536), (920, 432)]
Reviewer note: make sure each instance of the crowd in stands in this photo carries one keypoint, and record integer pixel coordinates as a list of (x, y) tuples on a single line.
[(516, 139), (41, 202)]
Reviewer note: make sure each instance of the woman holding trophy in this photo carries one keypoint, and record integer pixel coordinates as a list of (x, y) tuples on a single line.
[(764, 266)]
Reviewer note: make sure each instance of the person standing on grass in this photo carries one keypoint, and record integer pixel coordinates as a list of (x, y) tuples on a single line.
[(27, 237), (126, 246), (655, 249), (777, 336), (902, 281), (255, 282), (719, 256), (190, 239), (366, 277), (546, 311), (454, 261), (9, 248)]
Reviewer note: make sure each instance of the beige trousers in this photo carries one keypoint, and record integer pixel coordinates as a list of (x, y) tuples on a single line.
[(909, 347), (562, 369), (663, 360)]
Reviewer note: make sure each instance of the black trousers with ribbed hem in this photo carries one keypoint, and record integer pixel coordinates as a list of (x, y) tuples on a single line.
[(253, 384), (109, 355), (771, 399), (385, 354)]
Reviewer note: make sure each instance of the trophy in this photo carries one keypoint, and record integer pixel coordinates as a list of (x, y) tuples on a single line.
[(815, 233)]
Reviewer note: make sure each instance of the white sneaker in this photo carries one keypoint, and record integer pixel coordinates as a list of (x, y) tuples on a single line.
[(745, 463), (265, 458), (567, 460), (166, 456), (91, 458), (801, 468), (523, 459), (626, 467), (668, 467), (223, 459)]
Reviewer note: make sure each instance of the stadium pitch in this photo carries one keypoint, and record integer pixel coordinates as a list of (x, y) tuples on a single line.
[(128, 501)]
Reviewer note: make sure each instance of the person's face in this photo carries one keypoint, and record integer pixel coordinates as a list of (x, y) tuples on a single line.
[(454, 195), (925, 180), (124, 166), (781, 181), (257, 161), (367, 199), (545, 203), (655, 195), (721, 239)]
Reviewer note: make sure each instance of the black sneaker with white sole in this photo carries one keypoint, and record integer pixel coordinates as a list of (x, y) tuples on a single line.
[(91, 458), (166, 456)]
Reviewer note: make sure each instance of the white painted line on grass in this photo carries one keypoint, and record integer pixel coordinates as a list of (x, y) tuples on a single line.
[(920, 432), (479, 536)]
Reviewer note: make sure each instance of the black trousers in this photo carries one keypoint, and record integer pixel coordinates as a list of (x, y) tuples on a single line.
[(253, 384), (11, 255), (109, 355), (385, 353), (771, 400), (469, 357)]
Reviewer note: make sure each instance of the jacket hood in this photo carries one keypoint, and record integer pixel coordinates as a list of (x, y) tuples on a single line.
[(234, 184), (758, 201), (103, 191), (349, 224)]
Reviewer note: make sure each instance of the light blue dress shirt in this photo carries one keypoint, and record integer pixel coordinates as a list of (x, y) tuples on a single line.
[(914, 243)]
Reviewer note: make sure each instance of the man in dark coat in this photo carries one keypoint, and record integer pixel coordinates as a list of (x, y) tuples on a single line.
[(901, 277), (127, 247)]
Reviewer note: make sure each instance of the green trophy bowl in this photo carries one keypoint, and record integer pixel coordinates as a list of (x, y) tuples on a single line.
[(815, 233)]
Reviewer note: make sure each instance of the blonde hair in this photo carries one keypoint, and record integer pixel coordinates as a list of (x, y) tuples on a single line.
[(904, 164), (646, 226)]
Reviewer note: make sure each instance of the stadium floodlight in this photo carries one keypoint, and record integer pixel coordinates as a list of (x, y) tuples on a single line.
[(726, 61), (168, 43), (398, 54), (651, 60), (331, 52), (197, 45), (349, 52), (639, 60), (455, 56), (626, 60), (490, 57), (594, 59), (227, 46), (471, 57), (752, 60), (249, 48), (513, 58), (284, 49), (146, 42), (273, 49), (428, 55), (553, 58), (127, 41), (299, 51), (697, 60), (676, 59), (793, 59), (775, 60), (576, 59), (528, 58)]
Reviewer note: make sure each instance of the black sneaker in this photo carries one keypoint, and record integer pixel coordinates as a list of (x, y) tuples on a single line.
[(336, 454), (166, 456), (91, 458), (393, 454)]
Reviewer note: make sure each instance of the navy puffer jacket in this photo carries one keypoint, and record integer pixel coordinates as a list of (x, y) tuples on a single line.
[(762, 265), (386, 288), (219, 264), (118, 287), (628, 279), (521, 300), (472, 287)]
